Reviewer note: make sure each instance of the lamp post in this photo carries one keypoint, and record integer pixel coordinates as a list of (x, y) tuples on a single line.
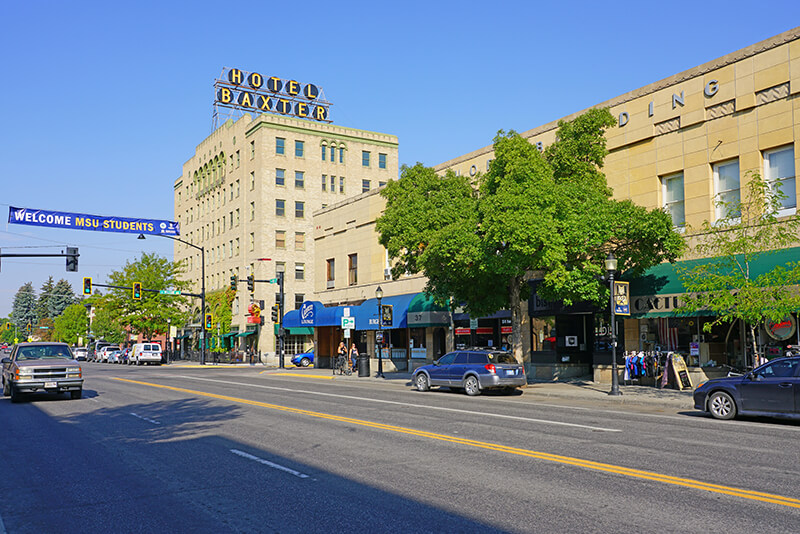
[(611, 267), (379, 296), (202, 291)]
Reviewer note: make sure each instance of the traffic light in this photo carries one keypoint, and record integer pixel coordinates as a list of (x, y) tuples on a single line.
[(137, 291), (386, 315), (233, 282), (28, 328), (72, 259), (209, 321), (251, 283), (275, 312), (87, 285)]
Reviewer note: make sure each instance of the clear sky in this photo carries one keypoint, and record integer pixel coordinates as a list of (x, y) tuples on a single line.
[(103, 102)]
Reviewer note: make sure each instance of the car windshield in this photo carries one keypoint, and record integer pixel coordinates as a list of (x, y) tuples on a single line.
[(502, 357), (43, 352)]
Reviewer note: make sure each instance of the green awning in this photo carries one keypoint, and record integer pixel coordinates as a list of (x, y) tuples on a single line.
[(297, 330), (423, 312), (657, 292), (184, 335), (245, 334), (229, 334)]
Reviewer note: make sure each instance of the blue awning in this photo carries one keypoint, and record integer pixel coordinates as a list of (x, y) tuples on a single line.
[(367, 314), (333, 316), (291, 319)]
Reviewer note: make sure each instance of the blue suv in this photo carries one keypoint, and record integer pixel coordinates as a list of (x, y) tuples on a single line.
[(473, 371)]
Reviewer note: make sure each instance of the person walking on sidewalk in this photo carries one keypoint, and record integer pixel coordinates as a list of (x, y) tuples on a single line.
[(353, 357)]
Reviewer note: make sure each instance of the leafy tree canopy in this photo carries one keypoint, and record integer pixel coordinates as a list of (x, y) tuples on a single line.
[(23, 310), (547, 214), (71, 324)]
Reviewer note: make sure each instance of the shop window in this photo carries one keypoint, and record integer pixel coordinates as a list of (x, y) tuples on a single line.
[(672, 189), (779, 167), (726, 183)]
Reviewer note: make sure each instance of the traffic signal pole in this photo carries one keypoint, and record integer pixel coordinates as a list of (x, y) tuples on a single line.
[(281, 335)]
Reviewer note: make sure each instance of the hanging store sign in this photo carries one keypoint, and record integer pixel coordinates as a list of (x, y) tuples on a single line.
[(781, 330), (97, 223), (250, 91), (622, 300)]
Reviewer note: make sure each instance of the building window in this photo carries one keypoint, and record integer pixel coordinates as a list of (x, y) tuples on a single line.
[(280, 239), (280, 267), (324, 151), (237, 246), (299, 148), (299, 241), (381, 184), (672, 188), (280, 145), (381, 161), (330, 269), (341, 184), (299, 298), (237, 188), (252, 211), (299, 271), (333, 184), (299, 179), (364, 186), (252, 149), (341, 155), (299, 209), (324, 182), (779, 166), (230, 248), (252, 241), (280, 177), (280, 207), (726, 182), (333, 154), (237, 216), (252, 180), (352, 269), (364, 158), (238, 159)]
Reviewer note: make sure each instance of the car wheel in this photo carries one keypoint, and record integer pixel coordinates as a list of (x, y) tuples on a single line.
[(471, 386), (422, 382), (721, 406), (305, 362), (16, 396), (75, 395), (6, 389)]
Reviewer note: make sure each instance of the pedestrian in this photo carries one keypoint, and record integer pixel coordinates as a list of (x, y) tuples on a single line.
[(353, 357), (341, 355)]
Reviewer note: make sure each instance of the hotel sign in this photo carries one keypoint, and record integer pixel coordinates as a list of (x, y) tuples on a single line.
[(250, 91)]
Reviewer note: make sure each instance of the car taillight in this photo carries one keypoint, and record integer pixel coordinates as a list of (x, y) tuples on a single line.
[(491, 368)]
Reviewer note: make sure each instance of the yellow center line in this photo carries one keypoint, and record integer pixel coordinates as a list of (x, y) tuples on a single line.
[(566, 460)]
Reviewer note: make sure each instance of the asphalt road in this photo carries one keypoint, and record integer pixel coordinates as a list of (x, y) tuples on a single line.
[(170, 449)]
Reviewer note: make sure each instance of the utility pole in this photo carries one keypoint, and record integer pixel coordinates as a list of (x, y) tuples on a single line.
[(281, 332)]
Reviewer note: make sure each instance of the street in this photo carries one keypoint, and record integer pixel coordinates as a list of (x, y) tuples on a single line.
[(183, 449)]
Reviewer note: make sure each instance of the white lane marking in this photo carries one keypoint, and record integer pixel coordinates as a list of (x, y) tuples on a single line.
[(93, 399), (405, 404), (273, 465), (145, 419)]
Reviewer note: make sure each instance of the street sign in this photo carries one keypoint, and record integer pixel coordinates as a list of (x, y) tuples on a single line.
[(348, 323), (169, 292), (347, 334)]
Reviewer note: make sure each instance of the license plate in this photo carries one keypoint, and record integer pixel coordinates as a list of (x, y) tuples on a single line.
[(50, 384), (511, 372)]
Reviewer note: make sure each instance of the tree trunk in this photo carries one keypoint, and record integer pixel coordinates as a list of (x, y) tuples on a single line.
[(516, 319), (755, 347)]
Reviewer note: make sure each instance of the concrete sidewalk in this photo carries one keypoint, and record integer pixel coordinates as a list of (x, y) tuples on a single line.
[(585, 390)]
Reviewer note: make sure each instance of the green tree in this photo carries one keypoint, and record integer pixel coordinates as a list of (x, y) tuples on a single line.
[(71, 324), (7, 330), (23, 310), (148, 316), (219, 304), (43, 302), (547, 215), (61, 297), (727, 285), (105, 325)]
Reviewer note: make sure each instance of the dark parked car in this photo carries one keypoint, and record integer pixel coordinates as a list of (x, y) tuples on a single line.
[(770, 390), (41, 367), (473, 371)]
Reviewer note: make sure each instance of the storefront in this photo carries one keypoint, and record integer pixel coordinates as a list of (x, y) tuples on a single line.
[(492, 331)]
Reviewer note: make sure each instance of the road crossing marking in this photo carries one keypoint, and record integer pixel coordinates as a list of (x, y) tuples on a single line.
[(565, 460)]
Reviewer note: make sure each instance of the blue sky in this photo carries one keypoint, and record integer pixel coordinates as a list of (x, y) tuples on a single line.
[(104, 101)]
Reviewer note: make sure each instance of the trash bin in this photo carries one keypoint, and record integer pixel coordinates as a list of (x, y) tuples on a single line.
[(363, 365)]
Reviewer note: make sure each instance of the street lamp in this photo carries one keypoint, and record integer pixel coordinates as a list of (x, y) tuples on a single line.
[(202, 290), (379, 296), (611, 267)]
